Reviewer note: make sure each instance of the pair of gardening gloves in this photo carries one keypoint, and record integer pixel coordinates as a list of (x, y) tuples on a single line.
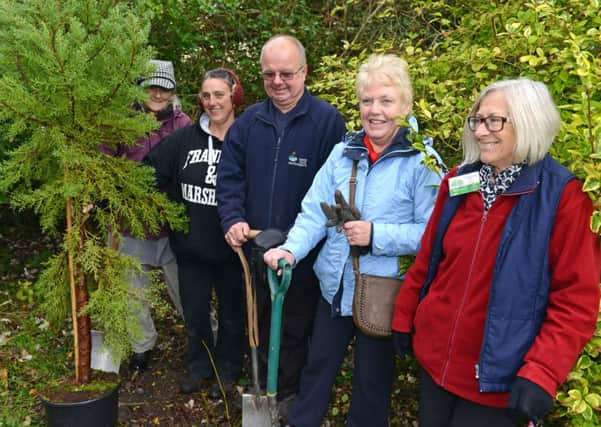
[(340, 213)]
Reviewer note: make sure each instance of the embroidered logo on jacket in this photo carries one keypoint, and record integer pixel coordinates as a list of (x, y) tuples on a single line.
[(294, 160)]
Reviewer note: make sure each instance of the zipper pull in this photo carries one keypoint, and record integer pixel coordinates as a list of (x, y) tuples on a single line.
[(484, 216), (477, 369)]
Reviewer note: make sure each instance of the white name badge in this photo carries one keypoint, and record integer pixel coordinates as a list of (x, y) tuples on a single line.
[(462, 184)]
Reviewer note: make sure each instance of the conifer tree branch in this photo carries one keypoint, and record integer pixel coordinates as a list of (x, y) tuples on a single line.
[(21, 71), (29, 118), (109, 97), (61, 64)]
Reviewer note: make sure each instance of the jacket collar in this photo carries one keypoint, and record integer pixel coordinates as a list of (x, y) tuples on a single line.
[(267, 113), (401, 146), (526, 181)]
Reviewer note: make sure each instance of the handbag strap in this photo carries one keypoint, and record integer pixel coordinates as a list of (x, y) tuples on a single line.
[(352, 183)]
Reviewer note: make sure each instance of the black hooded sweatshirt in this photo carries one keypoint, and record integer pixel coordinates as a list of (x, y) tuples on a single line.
[(185, 165)]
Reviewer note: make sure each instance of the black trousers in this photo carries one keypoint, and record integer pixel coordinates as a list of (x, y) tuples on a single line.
[(440, 408), (196, 281), (297, 323), (373, 375)]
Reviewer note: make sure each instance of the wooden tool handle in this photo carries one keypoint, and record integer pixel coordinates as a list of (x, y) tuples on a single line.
[(252, 234)]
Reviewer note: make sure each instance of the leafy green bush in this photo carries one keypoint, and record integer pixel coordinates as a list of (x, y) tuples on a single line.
[(580, 396), (453, 52)]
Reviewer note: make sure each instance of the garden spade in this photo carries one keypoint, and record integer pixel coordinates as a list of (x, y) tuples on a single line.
[(278, 287), (259, 410)]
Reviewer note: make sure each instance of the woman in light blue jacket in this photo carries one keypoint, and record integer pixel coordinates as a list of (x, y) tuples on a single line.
[(395, 194)]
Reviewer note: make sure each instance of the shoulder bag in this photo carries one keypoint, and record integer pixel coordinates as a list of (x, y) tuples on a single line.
[(374, 296)]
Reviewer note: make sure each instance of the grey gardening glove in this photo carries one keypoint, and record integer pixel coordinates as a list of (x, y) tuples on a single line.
[(331, 214), (340, 212)]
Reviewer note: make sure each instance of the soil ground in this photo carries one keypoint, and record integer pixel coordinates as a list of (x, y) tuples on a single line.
[(151, 397)]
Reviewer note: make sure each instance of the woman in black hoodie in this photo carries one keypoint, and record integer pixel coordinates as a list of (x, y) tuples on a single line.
[(186, 167)]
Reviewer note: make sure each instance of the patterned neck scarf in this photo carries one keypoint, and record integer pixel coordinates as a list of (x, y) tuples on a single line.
[(492, 185)]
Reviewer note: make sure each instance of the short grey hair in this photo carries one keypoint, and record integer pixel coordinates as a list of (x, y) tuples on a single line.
[(533, 115), (296, 42), (387, 70)]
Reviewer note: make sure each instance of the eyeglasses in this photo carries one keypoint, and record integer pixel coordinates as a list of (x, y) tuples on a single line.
[(269, 76), (492, 123)]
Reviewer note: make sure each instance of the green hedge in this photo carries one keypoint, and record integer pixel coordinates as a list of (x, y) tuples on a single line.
[(454, 50)]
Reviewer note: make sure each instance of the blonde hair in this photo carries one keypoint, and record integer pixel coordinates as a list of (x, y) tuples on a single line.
[(533, 115), (387, 70)]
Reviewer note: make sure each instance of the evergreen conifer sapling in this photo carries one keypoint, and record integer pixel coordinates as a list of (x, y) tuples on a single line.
[(67, 71)]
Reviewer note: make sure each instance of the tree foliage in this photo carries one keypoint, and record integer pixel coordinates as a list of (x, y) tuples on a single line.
[(198, 35), (67, 71)]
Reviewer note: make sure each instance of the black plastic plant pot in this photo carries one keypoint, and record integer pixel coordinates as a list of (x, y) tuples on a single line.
[(100, 412)]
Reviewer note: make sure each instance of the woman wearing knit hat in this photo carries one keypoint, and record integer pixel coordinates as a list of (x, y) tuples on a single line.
[(153, 251), (160, 86), (186, 166)]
